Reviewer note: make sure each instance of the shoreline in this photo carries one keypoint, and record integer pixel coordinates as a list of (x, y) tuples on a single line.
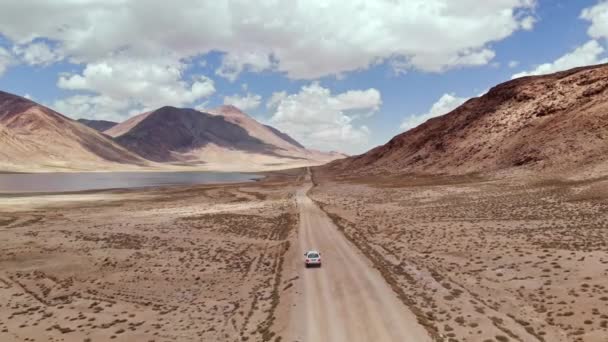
[(244, 178)]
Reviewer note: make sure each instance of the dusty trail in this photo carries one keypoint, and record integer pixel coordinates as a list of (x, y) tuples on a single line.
[(346, 299)]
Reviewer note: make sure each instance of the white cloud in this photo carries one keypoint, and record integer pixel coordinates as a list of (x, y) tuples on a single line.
[(445, 104), (94, 107), (527, 23), (322, 120), (586, 54), (244, 103), (234, 63), (513, 64), (6, 59), (333, 36), (38, 53), (123, 85), (275, 99), (598, 16), (436, 63), (592, 52)]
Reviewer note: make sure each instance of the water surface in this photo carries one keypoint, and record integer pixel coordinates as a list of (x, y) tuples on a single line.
[(63, 182)]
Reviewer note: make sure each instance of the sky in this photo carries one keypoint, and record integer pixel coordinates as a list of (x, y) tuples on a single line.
[(342, 75)]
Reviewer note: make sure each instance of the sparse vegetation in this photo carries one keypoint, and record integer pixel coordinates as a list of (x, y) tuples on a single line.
[(502, 260), (202, 264)]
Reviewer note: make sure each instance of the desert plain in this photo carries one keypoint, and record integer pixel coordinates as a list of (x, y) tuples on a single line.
[(198, 263), (482, 258), (463, 258)]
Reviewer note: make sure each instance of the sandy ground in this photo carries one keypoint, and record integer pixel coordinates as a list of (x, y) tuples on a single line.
[(484, 260), (176, 264), (232, 161)]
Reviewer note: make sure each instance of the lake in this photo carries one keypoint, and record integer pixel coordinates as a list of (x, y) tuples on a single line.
[(64, 182)]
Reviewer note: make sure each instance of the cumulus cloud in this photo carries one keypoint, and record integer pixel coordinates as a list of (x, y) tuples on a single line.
[(587, 54), (592, 52), (98, 107), (527, 23), (275, 99), (333, 37), (38, 53), (598, 16), (322, 120), (5, 60), (124, 85), (234, 63), (445, 104), (244, 103)]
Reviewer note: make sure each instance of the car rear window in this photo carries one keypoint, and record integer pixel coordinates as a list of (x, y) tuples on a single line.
[(313, 255)]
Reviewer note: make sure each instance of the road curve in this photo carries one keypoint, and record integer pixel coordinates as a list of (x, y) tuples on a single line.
[(347, 299)]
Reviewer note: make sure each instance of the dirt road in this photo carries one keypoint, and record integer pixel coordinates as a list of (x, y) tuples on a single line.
[(346, 299)]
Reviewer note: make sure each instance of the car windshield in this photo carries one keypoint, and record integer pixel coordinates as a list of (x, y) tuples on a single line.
[(313, 255)]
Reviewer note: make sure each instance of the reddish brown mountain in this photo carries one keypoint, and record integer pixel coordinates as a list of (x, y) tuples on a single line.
[(168, 134), (552, 123), (222, 138), (34, 137)]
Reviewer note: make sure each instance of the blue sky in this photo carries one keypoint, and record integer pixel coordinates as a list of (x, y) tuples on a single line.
[(334, 85)]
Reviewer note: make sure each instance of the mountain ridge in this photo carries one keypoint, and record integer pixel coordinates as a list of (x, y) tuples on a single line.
[(186, 135), (163, 133), (554, 123), (36, 137)]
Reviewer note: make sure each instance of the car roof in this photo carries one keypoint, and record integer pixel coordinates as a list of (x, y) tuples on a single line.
[(312, 251)]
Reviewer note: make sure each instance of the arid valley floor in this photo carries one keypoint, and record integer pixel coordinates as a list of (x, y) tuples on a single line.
[(485, 260), (175, 264), (468, 258)]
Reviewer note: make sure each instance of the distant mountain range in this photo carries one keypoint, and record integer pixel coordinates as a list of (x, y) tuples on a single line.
[(554, 123), (36, 138)]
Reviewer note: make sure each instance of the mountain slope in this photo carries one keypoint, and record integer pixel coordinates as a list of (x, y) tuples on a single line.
[(284, 136), (553, 123), (34, 137), (264, 133), (168, 134), (284, 145), (98, 125), (223, 138)]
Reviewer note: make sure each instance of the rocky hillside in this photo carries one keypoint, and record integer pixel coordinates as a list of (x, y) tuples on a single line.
[(552, 123), (34, 137)]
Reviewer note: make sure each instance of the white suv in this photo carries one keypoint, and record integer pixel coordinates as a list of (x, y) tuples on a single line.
[(313, 258)]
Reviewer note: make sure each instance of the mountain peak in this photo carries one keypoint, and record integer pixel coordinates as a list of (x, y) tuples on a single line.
[(34, 137), (227, 110), (11, 104)]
